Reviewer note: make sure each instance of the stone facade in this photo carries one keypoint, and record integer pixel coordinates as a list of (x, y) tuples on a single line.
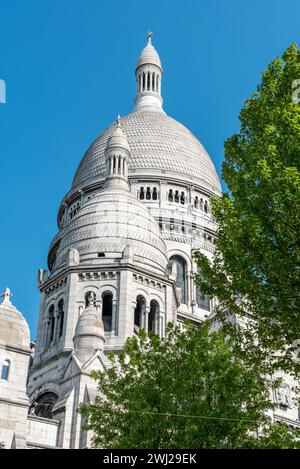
[(122, 260)]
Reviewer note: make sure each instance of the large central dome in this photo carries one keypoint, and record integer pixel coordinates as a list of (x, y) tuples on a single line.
[(159, 144)]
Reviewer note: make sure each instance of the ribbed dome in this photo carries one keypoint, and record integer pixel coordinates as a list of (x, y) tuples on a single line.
[(159, 145), (114, 222), (149, 55)]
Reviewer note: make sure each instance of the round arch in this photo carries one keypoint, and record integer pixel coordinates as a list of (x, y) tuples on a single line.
[(181, 276)]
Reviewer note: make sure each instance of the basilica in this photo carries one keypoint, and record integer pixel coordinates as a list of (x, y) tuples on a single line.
[(122, 260)]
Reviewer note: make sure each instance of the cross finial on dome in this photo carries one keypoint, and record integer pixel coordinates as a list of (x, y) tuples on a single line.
[(149, 37), (6, 295)]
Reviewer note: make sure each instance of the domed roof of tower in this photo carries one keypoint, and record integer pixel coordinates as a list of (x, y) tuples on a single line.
[(117, 138), (149, 55), (89, 332), (14, 330), (108, 223)]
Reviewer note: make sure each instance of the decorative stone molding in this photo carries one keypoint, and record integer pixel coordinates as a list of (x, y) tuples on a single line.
[(56, 286), (98, 275), (142, 280)]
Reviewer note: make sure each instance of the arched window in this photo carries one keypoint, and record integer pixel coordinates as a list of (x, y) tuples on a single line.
[(206, 207), (5, 370), (170, 195), (202, 300), (196, 202), (182, 198), (107, 302), (142, 194), (139, 311), (176, 198), (152, 317), (51, 322), (61, 315), (44, 404), (181, 280), (154, 195), (201, 204), (90, 299), (148, 193)]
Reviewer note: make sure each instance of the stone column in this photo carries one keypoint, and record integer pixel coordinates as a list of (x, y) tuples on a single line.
[(114, 318), (146, 317)]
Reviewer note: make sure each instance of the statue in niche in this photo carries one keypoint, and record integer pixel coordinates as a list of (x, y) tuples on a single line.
[(283, 395), (90, 299)]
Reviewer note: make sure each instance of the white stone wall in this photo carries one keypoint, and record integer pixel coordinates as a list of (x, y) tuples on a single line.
[(42, 432)]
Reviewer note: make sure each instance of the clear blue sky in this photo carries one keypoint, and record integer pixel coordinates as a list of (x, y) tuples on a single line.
[(69, 70)]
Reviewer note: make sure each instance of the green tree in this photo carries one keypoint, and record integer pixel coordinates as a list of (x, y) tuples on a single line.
[(255, 271), (187, 391)]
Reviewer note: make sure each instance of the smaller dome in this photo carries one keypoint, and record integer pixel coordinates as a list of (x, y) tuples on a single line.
[(149, 55), (14, 330), (108, 222), (89, 333), (118, 138)]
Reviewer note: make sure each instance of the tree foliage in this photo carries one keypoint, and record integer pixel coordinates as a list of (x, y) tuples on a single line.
[(189, 390), (255, 271)]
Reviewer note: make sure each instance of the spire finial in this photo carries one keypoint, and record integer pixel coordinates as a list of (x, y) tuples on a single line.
[(118, 121), (6, 295), (149, 37)]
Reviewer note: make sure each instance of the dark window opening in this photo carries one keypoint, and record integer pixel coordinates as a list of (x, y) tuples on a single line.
[(139, 311), (181, 277), (152, 317), (61, 316), (51, 323), (142, 194), (154, 196), (44, 404), (107, 303), (101, 254), (148, 193)]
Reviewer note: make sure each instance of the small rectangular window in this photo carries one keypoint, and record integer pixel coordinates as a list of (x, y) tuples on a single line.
[(101, 254), (5, 370)]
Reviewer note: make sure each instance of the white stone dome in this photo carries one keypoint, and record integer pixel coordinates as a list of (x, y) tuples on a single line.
[(149, 55), (113, 222), (14, 330), (159, 146)]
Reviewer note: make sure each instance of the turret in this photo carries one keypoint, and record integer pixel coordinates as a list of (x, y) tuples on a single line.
[(148, 79), (89, 332), (117, 152)]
